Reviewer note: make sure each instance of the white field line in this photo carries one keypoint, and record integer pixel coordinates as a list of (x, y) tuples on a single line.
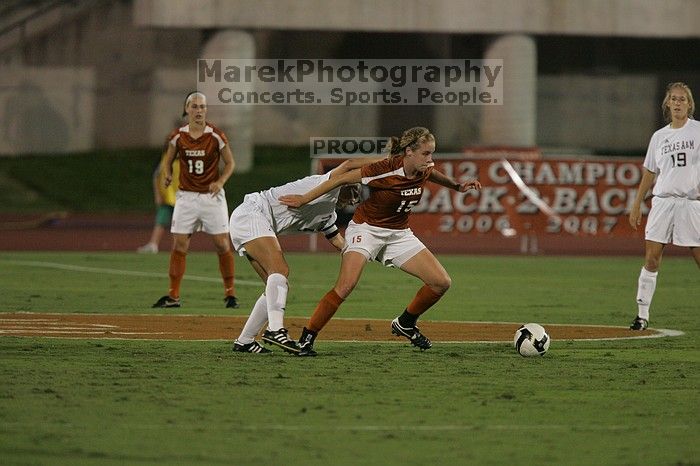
[(409, 428), (57, 332), (84, 332), (53, 325), (10, 321), (662, 333), (102, 336), (133, 273), (29, 328), (448, 427), (659, 332), (361, 342), (290, 316)]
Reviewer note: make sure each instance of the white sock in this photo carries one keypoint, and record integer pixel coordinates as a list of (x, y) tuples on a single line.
[(258, 318), (276, 294), (645, 291)]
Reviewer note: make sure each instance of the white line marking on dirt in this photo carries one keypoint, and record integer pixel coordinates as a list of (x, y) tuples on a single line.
[(29, 328), (55, 332), (82, 332), (28, 320), (652, 333)]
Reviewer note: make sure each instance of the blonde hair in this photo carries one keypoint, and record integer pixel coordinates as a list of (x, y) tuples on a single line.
[(665, 107), (189, 98), (410, 139)]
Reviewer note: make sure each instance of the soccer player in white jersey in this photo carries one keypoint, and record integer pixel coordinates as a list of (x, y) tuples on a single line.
[(254, 226), (673, 157)]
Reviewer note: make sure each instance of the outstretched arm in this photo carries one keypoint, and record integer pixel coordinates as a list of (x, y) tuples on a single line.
[(352, 164), (298, 200), (449, 182)]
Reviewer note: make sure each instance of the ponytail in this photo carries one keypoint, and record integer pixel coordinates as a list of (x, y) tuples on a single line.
[(410, 139)]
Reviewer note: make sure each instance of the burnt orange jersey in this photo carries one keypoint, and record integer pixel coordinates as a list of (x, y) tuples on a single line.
[(392, 195), (198, 158)]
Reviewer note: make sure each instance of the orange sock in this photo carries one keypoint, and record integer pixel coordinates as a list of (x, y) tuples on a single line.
[(176, 272), (425, 298), (324, 311), (226, 268)]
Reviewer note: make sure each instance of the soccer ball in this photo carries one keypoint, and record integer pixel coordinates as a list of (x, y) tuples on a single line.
[(531, 340)]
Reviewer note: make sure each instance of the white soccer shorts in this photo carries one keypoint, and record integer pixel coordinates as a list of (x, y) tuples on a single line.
[(200, 212), (674, 220), (390, 247), (248, 222)]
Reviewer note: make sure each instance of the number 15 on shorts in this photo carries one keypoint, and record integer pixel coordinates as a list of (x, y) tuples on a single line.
[(356, 239)]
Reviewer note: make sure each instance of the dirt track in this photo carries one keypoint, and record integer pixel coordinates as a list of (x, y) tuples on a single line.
[(179, 327), (125, 232)]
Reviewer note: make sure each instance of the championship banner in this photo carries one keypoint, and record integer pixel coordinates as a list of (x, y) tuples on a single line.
[(562, 197)]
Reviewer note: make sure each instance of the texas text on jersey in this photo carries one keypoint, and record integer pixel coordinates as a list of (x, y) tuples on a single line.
[(392, 194), (198, 158)]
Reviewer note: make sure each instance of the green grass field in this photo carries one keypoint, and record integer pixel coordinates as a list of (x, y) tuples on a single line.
[(103, 402), (68, 182)]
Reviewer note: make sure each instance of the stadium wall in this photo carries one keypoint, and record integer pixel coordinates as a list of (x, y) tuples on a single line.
[(141, 53)]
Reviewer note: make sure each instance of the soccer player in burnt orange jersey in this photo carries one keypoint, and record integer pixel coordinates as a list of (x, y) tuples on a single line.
[(379, 231), (201, 201)]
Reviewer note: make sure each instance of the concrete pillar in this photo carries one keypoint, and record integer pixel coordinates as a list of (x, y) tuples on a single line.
[(515, 122), (235, 120)]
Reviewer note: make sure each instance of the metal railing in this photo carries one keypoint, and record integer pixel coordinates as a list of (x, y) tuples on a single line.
[(36, 10)]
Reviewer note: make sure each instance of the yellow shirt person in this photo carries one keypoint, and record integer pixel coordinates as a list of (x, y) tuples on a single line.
[(164, 198)]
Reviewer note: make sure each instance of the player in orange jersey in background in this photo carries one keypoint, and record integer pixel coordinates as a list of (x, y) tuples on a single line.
[(201, 201)]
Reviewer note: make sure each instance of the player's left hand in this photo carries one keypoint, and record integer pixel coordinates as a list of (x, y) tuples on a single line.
[(469, 184), (215, 187), (635, 217)]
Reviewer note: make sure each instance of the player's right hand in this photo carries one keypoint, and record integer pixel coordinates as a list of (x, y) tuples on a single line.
[(635, 217), (469, 184), (292, 200)]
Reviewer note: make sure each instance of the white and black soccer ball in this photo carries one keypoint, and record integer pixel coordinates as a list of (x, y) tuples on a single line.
[(531, 340)]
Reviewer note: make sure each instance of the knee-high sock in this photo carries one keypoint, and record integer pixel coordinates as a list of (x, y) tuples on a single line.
[(276, 297), (423, 300), (324, 311), (645, 291), (255, 322), (176, 271), (226, 268)]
